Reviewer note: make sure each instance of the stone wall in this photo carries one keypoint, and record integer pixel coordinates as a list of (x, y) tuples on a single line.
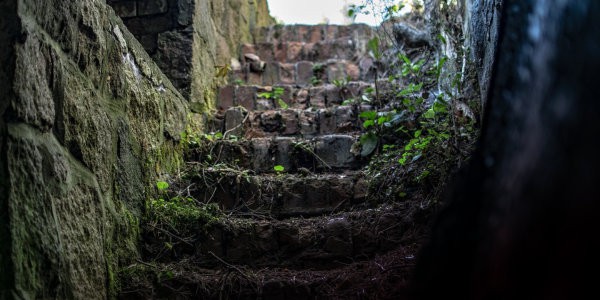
[(189, 38), (87, 122)]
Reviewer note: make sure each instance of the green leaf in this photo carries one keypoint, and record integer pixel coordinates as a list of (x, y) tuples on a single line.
[(279, 168), (368, 115), (429, 114), (162, 185), (369, 143), (368, 123), (381, 120), (373, 46), (418, 133), (282, 104)]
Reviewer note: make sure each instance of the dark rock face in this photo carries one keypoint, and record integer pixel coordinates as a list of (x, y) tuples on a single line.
[(482, 27), (523, 223)]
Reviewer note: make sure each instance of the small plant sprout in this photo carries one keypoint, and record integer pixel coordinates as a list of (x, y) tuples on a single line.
[(162, 185), (279, 169)]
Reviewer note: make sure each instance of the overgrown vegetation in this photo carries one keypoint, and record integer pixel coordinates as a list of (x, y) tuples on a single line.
[(421, 127)]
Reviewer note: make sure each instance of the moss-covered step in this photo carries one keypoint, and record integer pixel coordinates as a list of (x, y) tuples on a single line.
[(317, 243), (279, 195), (383, 277), (324, 153), (259, 97)]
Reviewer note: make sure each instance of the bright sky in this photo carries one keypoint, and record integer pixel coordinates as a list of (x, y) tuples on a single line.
[(315, 11)]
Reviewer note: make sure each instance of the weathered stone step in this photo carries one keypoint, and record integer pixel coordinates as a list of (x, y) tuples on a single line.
[(315, 33), (306, 73), (320, 96), (323, 153), (292, 52), (227, 281), (281, 195), (318, 243), (291, 122)]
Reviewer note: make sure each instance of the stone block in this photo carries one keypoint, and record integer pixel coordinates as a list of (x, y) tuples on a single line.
[(308, 122), (186, 12), (234, 117), (150, 42), (335, 151), (315, 35), (271, 121), (271, 73), (317, 195), (301, 98), (244, 96), (332, 95), (264, 104), (283, 152), (360, 189), (329, 32), (247, 49), (317, 97), (280, 52), (262, 160), (254, 78), (326, 121), (335, 70), (265, 51), (352, 71), (309, 52), (287, 74), (125, 9), (151, 7), (226, 97), (294, 51), (291, 125), (345, 119), (153, 24), (304, 72)]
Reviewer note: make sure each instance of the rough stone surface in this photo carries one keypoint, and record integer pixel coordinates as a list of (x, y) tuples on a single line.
[(189, 38), (482, 25), (86, 121)]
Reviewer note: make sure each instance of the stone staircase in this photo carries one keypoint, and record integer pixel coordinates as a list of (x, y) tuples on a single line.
[(290, 234)]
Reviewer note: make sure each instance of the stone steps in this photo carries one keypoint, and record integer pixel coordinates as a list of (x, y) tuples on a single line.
[(315, 33), (322, 242), (291, 122), (300, 97), (280, 195), (323, 153), (228, 281), (291, 52), (306, 73)]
